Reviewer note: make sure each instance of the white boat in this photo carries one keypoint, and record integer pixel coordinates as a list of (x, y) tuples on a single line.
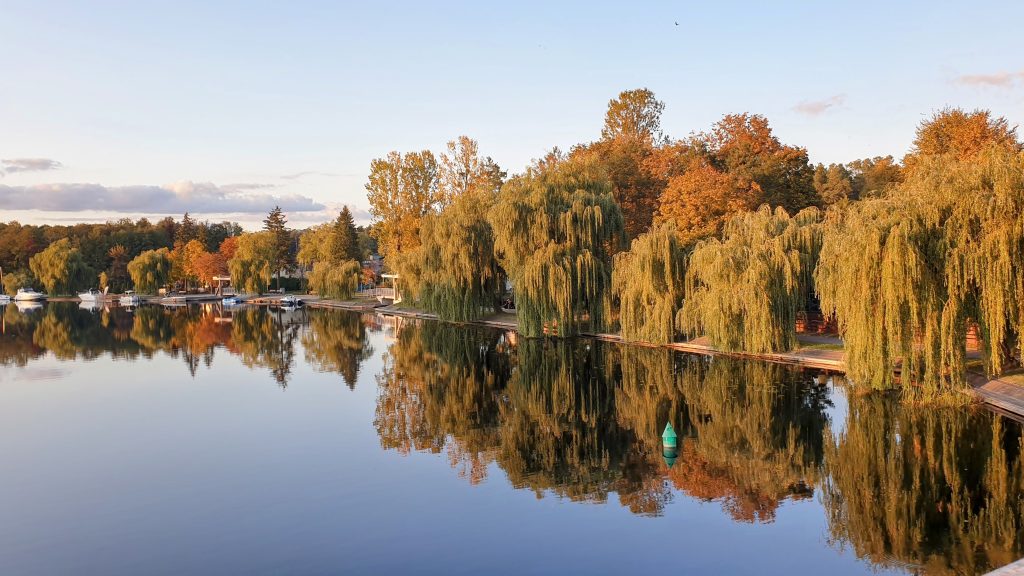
[(4, 299), (92, 295), (290, 301), (28, 295), (233, 300), (129, 298)]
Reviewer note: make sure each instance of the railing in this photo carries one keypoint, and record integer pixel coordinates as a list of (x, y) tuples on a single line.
[(380, 294)]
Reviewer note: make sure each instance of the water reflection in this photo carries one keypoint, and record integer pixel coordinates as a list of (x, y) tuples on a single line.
[(263, 338), (934, 490), (583, 419), (940, 489)]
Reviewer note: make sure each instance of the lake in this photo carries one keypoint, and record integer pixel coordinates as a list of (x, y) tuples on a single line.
[(203, 440)]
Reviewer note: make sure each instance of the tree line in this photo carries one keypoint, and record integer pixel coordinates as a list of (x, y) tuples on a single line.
[(730, 234), (182, 254)]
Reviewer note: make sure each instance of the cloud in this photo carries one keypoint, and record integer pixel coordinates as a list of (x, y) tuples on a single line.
[(248, 186), (998, 80), (298, 175), (12, 165), (818, 107), (176, 198)]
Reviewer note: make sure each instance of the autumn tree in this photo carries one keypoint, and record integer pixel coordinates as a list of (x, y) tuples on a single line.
[(461, 170), (453, 272), (60, 268), (744, 145), (401, 189), (737, 166), (555, 230), (700, 200), (961, 135), (631, 135), (874, 177), (635, 114), (833, 183), (150, 270), (316, 244), (209, 265), (228, 247)]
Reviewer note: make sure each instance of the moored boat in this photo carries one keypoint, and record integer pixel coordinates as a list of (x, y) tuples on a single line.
[(28, 295), (290, 301), (92, 295), (129, 298)]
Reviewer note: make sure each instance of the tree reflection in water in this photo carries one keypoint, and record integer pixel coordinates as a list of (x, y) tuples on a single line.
[(261, 337), (336, 342), (936, 488), (580, 419)]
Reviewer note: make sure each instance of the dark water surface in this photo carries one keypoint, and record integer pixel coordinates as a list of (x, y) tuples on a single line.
[(203, 441)]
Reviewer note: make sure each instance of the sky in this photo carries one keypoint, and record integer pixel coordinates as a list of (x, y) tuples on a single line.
[(225, 109)]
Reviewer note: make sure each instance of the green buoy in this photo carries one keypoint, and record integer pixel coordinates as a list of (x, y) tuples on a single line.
[(669, 442), (668, 437)]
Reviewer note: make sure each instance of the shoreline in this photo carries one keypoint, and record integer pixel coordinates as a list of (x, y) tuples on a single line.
[(996, 394)]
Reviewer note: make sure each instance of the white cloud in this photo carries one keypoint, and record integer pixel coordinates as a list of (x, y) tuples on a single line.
[(175, 198), (12, 165), (997, 80), (818, 107)]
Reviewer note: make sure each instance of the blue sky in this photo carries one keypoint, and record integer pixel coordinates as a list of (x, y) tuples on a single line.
[(226, 108)]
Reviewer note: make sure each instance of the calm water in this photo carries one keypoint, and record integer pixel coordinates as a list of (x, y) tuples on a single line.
[(200, 441)]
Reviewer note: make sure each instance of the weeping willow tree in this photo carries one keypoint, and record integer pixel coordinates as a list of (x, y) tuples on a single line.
[(937, 488), (743, 291), (907, 275), (251, 267), (556, 228), (61, 268), (453, 272), (649, 281), (150, 270), (337, 281)]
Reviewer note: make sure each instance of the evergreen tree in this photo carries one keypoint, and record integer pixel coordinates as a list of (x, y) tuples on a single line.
[(187, 231), (345, 238), (281, 247)]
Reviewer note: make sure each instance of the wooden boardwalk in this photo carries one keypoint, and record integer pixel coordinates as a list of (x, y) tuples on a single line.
[(1005, 397)]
